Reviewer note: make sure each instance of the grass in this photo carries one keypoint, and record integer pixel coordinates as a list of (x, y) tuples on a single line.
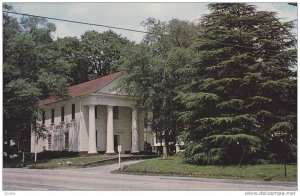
[(175, 166), (77, 162)]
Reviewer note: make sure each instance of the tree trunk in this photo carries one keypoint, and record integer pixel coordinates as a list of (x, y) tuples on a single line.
[(166, 146), (165, 152)]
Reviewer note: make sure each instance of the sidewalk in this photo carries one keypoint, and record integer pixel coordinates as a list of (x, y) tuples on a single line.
[(101, 178)]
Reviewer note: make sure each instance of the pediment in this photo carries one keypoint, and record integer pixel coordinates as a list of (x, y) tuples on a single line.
[(112, 88)]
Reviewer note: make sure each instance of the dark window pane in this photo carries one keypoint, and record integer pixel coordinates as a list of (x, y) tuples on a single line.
[(73, 111), (52, 116), (62, 114), (96, 112), (43, 117)]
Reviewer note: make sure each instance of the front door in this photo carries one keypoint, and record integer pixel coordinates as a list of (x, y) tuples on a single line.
[(116, 142)]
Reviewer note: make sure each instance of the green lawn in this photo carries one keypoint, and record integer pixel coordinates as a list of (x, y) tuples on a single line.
[(76, 162), (175, 166)]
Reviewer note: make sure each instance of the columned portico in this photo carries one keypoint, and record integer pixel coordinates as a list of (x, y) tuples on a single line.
[(86, 128), (92, 130), (110, 131), (121, 127), (134, 139)]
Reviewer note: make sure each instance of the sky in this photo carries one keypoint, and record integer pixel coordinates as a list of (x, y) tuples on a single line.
[(128, 15)]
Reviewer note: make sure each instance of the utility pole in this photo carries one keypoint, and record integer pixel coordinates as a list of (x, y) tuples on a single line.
[(119, 150), (284, 157)]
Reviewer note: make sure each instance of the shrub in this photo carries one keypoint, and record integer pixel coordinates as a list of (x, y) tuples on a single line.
[(263, 161), (56, 154)]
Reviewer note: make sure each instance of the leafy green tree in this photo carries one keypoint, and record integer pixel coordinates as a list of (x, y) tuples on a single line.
[(69, 48), (151, 73), (101, 52), (32, 70), (242, 79), (93, 56)]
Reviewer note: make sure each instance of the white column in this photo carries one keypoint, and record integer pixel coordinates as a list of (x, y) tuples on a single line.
[(110, 131), (92, 130), (134, 139)]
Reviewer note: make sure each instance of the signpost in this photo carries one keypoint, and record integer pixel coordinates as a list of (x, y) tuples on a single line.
[(282, 135), (119, 150), (25, 147)]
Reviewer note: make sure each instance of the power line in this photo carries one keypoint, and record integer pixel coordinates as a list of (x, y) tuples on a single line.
[(127, 29), (79, 22)]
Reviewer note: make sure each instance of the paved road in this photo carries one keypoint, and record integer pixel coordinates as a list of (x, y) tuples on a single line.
[(100, 178)]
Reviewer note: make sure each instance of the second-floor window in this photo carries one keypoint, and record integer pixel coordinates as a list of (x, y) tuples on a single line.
[(96, 115), (73, 111), (43, 117), (52, 116), (62, 114)]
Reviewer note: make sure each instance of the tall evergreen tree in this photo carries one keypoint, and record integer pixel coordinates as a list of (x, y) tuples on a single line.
[(242, 85)]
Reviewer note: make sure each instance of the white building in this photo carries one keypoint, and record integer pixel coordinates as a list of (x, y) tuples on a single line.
[(157, 144), (96, 118)]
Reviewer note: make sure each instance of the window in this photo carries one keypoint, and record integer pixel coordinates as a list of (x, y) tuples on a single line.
[(116, 112), (96, 115), (62, 114), (66, 140), (73, 111), (49, 141), (55, 141), (43, 117), (52, 116)]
